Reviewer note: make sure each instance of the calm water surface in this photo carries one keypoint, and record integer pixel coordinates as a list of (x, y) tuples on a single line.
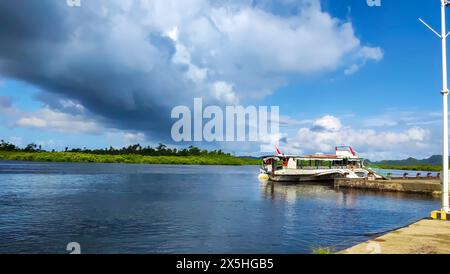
[(115, 208)]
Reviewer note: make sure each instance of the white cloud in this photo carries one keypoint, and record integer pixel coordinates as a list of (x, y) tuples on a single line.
[(224, 92), (70, 104), (32, 122), (173, 34), (328, 123), (133, 138), (368, 53), (51, 120), (398, 118), (48, 119), (368, 141), (364, 54), (255, 45), (182, 56), (352, 69)]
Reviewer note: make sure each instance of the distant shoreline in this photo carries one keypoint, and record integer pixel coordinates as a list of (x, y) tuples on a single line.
[(77, 157), (423, 167)]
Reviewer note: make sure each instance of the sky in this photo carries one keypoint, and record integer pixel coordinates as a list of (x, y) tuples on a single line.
[(108, 73)]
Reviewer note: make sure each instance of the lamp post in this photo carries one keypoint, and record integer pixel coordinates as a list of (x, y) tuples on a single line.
[(443, 36)]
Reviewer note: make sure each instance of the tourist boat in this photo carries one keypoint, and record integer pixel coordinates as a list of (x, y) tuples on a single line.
[(345, 163)]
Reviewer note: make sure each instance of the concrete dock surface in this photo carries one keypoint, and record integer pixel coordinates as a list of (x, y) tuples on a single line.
[(423, 237), (425, 186)]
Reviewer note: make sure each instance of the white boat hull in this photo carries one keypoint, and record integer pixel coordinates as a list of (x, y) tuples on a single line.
[(294, 175)]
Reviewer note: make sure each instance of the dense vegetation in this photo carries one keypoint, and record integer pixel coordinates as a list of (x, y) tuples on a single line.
[(132, 154), (432, 163), (435, 160)]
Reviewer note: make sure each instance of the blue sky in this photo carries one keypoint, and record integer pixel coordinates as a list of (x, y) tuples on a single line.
[(369, 77)]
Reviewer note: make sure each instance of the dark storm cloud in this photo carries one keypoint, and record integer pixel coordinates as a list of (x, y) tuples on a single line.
[(31, 20), (71, 53)]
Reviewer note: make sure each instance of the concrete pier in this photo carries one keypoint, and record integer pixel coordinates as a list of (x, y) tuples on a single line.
[(420, 185), (423, 237)]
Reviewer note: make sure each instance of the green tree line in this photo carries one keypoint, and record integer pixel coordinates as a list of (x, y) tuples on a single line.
[(160, 150), (135, 154)]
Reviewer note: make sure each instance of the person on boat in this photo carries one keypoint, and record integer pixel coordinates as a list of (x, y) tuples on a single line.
[(285, 162)]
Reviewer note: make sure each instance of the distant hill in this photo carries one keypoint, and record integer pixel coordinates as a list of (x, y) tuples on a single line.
[(434, 160)]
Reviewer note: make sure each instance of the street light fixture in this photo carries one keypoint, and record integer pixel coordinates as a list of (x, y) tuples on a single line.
[(443, 36)]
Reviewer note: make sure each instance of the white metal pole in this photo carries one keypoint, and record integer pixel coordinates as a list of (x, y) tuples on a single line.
[(445, 197)]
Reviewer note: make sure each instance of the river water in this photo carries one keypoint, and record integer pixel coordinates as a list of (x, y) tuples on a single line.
[(118, 208)]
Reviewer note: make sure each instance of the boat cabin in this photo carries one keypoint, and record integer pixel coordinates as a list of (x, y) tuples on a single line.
[(345, 158)]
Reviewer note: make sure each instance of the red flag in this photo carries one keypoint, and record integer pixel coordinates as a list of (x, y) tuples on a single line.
[(278, 151)]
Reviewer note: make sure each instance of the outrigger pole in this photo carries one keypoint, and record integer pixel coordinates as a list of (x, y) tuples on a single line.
[(443, 36)]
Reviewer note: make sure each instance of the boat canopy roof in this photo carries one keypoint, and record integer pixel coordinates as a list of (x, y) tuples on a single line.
[(330, 157), (342, 153)]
